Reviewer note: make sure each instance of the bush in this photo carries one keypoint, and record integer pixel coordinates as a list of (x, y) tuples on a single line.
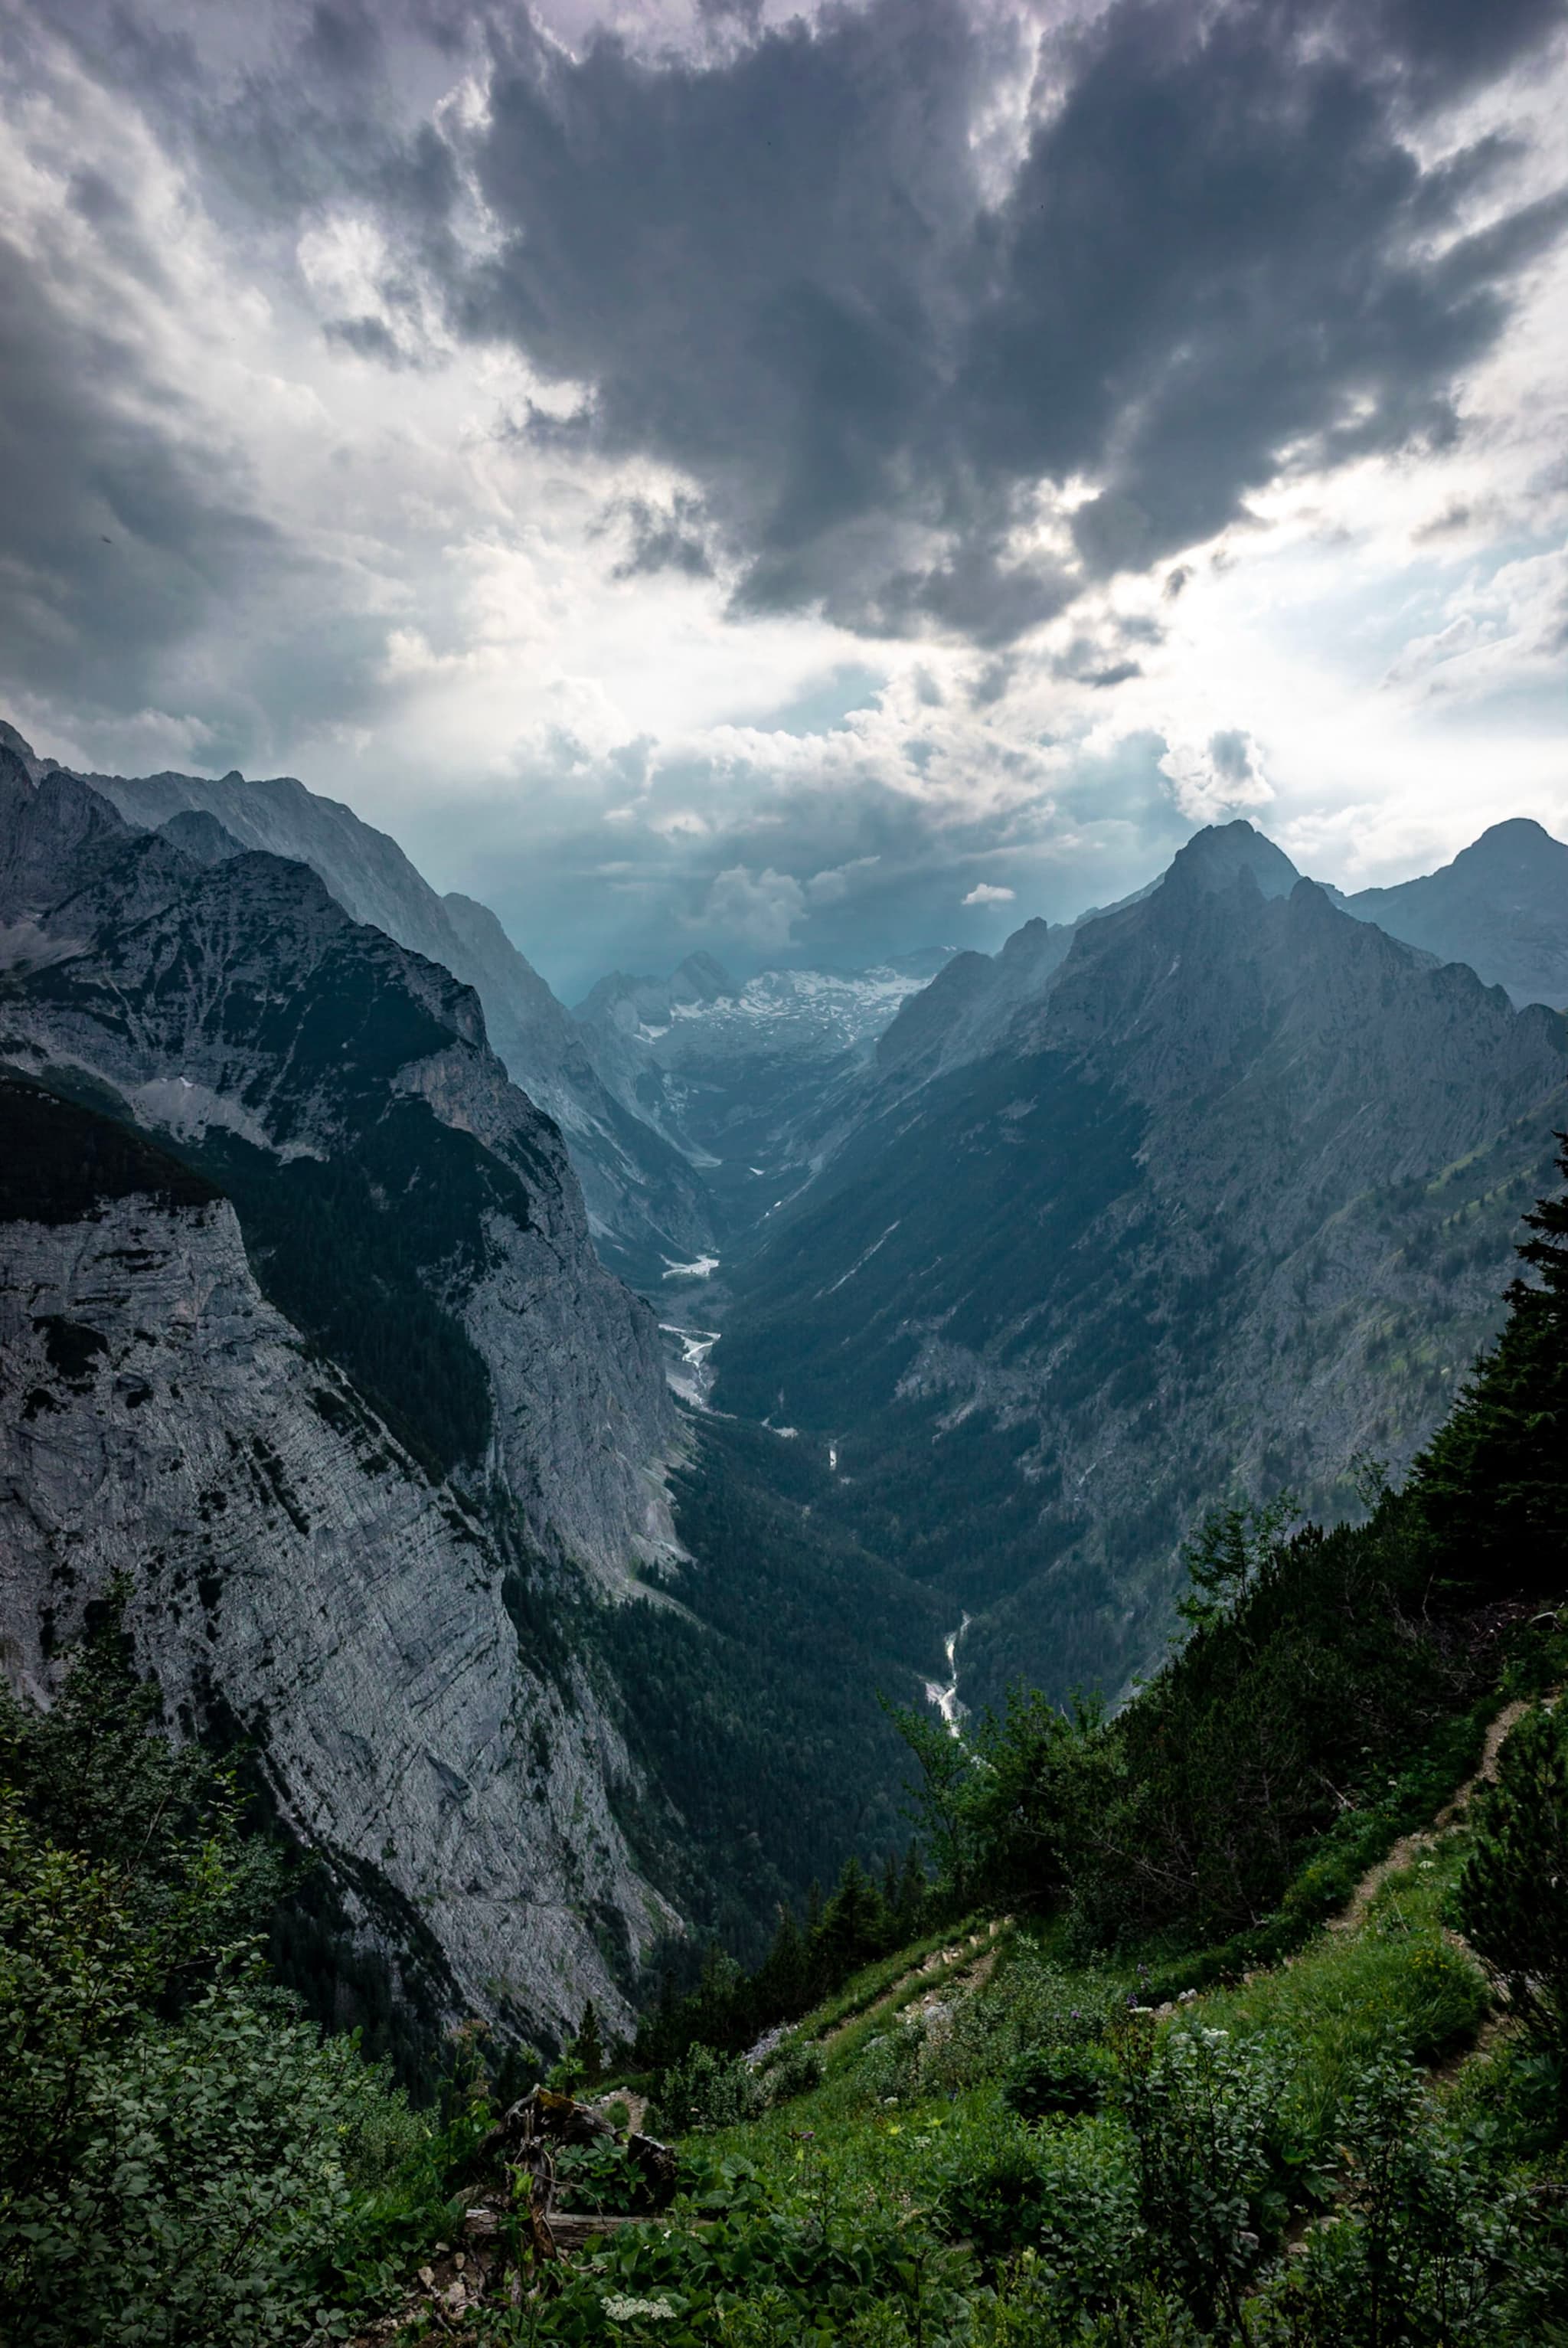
[(796, 2068), (1422, 2244), (1203, 2112), (207, 2172), (1049, 2079), (1512, 1898), (704, 2090), (600, 2175), (179, 2153)]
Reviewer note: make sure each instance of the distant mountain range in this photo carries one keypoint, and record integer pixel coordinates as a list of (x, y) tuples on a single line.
[(1013, 1265), (732, 1073)]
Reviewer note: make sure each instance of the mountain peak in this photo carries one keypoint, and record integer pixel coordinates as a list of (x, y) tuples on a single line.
[(1517, 835), (1217, 855), (1499, 906), (24, 753), (702, 976)]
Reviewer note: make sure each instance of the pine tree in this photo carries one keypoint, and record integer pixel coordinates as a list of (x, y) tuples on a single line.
[(1493, 1484), (781, 1984), (853, 1928), (914, 1890), (1513, 1893), (588, 2047)]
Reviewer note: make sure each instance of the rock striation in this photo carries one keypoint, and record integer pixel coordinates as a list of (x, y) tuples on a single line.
[(388, 1262), (295, 1573)]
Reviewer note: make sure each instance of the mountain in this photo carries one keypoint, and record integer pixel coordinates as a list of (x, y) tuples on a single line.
[(1502, 906), (296, 1572), (299, 1292), (969, 1005), (1227, 1202), (733, 1073), (347, 1396), (644, 1202)]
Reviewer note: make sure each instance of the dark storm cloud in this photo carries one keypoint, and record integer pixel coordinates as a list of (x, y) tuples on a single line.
[(1219, 253), (754, 265), (1219, 250), (116, 528), (773, 264)]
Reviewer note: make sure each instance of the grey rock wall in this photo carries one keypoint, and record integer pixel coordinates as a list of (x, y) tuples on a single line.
[(287, 1555)]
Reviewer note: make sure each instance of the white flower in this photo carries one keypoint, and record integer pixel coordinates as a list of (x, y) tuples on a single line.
[(624, 2311)]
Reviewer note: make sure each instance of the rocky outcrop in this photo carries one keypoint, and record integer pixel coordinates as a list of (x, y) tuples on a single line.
[(645, 1203), (249, 1009), (291, 1564)]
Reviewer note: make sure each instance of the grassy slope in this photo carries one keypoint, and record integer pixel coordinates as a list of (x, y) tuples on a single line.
[(907, 2162)]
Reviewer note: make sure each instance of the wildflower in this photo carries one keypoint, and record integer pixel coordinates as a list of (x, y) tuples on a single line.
[(625, 2311)]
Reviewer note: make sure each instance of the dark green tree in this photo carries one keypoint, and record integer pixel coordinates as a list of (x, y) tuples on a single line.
[(914, 1892), (854, 1929), (941, 1799), (1492, 1486), (1512, 1898), (780, 1982), (96, 1776), (587, 2047)]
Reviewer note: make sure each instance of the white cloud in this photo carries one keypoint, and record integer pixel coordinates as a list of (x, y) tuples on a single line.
[(1217, 779), (985, 893), (761, 909)]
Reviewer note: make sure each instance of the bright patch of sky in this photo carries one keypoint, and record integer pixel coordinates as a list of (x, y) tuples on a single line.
[(319, 455)]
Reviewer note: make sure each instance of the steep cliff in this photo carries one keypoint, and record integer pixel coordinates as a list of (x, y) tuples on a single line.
[(296, 1573), (391, 1336), (343, 1091)]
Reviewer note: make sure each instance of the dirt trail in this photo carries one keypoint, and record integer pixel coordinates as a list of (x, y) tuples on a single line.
[(979, 1946), (1410, 1847)]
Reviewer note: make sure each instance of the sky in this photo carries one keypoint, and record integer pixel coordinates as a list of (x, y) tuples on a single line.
[(806, 483)]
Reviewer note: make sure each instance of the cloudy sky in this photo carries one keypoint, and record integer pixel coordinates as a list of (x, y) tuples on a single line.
[(803, 482)]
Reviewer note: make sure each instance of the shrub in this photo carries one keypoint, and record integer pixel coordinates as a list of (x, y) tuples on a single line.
[(1512, 1898), (1204, 2111), (796, 2068), (1047, 2079), (600, 2175), (1423, 2245), (206, 2172), (704, 2090)]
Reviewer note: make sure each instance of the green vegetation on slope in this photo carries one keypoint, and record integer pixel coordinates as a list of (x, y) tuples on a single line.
[(1175, 2100), (752, 1702)]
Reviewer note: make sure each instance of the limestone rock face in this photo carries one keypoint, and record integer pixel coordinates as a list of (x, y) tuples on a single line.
[(249, 1004), (287, 1555), (419, 1390)]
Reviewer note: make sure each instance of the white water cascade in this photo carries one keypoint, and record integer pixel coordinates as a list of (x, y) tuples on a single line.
[(945, 1698)]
